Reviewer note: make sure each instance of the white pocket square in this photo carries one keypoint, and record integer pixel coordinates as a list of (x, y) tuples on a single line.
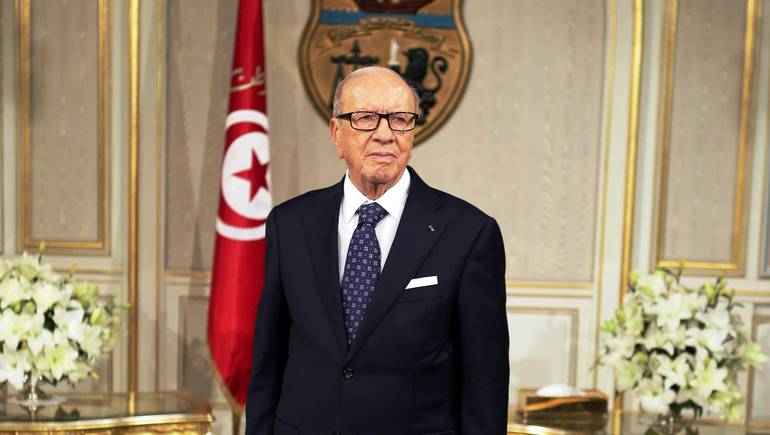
[(422, 282)]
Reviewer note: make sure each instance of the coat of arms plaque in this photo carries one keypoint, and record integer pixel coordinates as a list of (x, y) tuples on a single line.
[(423, 40)]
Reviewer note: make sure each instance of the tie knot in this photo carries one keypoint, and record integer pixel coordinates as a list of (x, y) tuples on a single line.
[(371, 213)]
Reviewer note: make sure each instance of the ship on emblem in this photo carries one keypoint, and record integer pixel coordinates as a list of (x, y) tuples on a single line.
[(392, 6), (422, 40)]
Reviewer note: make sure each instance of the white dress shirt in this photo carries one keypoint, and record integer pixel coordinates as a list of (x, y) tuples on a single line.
[(393, 201)]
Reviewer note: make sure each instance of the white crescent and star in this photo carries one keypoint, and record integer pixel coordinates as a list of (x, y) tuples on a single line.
[(246, 177)]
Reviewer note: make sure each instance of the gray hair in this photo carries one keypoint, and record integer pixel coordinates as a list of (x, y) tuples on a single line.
[(337, 105)]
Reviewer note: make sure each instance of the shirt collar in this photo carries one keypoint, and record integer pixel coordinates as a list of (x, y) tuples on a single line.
[(393, 200)]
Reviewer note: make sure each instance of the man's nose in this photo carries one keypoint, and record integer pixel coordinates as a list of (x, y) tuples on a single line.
[(383, 133)]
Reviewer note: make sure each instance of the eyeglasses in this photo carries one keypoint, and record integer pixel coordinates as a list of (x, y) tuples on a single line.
[(368, 121)]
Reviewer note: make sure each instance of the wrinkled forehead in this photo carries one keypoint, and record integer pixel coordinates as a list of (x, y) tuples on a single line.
[(380, 92)]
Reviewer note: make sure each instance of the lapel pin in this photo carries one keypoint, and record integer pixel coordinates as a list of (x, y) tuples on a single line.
[(432, 228)]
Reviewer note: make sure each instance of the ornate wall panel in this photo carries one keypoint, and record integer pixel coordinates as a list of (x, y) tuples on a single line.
[(764, 267), (199, 50), (63, 98), (759, 382), (531, 122), (534, 361), (182, 358), (196, 374), (706, 87), (2, 225)]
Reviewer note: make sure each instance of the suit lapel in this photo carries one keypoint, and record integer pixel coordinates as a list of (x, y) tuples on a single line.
[(321, 231), (411, 245)]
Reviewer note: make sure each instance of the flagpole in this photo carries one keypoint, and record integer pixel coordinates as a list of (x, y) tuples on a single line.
[(237, 415)]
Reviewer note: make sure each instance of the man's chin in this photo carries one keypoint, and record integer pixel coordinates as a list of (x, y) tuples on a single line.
[(385, 175), (382, 177)]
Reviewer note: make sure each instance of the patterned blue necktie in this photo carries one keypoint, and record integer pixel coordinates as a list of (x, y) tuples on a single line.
[(362, 268)]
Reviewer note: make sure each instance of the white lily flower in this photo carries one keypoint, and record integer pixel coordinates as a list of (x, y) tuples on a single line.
[(709, 338), (627, 374), (675, 372), (721, 400), (718, 318), (657, 339), (81, 371), (653, 397), (11, 292), (70, 322), (37, 343), (13, 328), (74, 304), (734, 413), (66, 290), (29, 266), (59, 361), (12, 368), (620, 347), (671, 311), (714, 339), (634, 324), (45, 295), (86, 292), (652, 285), (678, 338), (686, 394), (753, 355), (708, 378), (46, 273), (694, 301), (92, 342)]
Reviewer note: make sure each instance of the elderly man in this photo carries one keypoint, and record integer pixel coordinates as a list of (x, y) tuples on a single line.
[(383, 311)]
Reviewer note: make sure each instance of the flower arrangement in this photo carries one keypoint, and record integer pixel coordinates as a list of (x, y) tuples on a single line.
[(676, 347), (52, 328)]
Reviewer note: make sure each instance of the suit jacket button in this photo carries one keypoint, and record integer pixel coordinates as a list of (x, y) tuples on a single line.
[(348, 373)]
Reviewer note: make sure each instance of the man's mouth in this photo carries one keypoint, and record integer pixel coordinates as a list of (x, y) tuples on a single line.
[(382, 156)]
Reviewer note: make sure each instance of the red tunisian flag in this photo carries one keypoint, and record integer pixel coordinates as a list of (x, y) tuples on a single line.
[(245, 201)]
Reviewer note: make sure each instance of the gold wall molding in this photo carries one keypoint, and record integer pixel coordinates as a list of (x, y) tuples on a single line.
[(133, 195), (192, 274), (763, 266), (2, 153), (557, 295), (637, 51), (26, 240), (549, 285), (748, 293), (735, 264), (160, 49), (87, 271)]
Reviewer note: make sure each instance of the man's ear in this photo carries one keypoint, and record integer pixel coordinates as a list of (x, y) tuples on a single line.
[(334, 132)]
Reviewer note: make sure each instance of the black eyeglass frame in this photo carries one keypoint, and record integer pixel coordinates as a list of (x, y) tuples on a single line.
[(349, 115)]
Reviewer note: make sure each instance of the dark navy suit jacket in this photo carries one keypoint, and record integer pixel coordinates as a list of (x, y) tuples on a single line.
[(427, 361)]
